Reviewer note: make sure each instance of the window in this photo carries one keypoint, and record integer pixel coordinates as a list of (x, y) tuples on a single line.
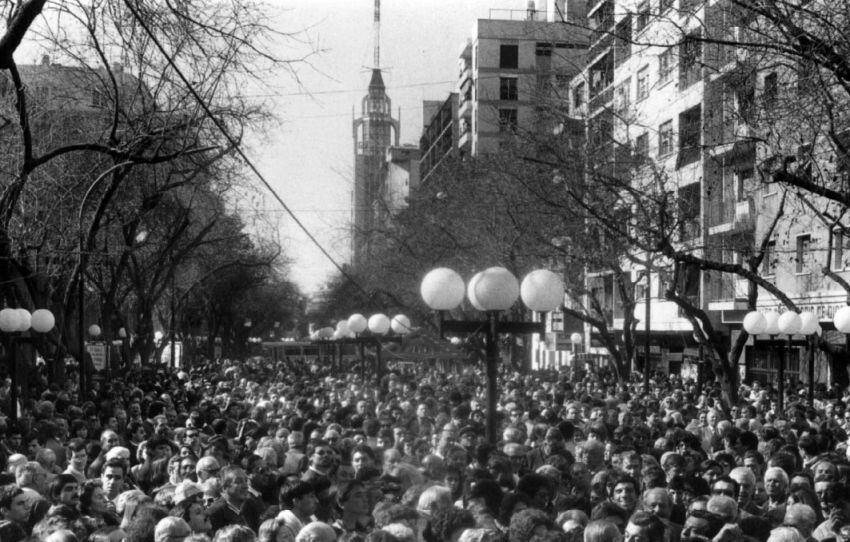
[(621, 97), (578, 96), (840, 246), (745, 178), (507, 88), (690, 60), (689, 201), (642, 18), (507, 120), (664, 5), (665, 138), (643, 83), (768, 265), (543, 49), (771, 88), (665, 65), (690, 128), (642, 145), (509, 56), (804, 256), (98, 99)]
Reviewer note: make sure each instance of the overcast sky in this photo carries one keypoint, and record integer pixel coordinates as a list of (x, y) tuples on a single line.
[(310, 160)]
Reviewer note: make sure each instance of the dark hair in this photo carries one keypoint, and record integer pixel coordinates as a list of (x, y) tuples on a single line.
[(115, 463), (86, 494), (607, 509), (715, 522), (654, 526), (509, 502), (445, 522), (143, 526), (60, 481), (296, 489), (490, 491), (8, 494)]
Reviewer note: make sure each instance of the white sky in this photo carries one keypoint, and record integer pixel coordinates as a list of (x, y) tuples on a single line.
[(310, 160)]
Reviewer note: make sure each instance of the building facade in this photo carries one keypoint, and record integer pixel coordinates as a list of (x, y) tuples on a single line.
[(373, 133), (666, 82)]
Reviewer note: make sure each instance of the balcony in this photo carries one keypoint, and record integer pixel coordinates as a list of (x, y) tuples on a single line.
[(730, 216), (726, 292), (464, 110)]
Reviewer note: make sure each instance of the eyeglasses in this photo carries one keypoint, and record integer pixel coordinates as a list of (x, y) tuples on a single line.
[(322, 452)]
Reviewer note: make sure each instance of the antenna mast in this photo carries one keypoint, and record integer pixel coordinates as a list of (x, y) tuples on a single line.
[(376, 28)]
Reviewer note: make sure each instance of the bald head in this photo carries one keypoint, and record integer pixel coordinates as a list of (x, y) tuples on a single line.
[(802, 517), (723, 506), (656, 501)]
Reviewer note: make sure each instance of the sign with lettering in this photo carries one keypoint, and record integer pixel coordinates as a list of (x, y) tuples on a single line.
[(97, 351)]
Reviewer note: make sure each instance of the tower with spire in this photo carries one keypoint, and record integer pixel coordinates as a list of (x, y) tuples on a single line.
[(374, 132)]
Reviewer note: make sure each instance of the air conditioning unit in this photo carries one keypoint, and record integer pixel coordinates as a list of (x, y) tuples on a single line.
[(744, 213)]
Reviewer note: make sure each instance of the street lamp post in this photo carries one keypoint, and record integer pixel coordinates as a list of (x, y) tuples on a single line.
[(16, 322), (789, 323), (492, 291), (350, 331), (575, 341)]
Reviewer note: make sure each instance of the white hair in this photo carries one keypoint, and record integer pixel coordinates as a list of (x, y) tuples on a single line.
[(779, 472)]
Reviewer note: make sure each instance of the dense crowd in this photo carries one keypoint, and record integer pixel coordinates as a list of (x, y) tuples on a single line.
[(286, 452)]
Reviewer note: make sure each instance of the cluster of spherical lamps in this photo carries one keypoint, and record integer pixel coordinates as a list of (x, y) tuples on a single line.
[(15, 322), (20, 320), (492, 291), (353, 328), (788, 323)]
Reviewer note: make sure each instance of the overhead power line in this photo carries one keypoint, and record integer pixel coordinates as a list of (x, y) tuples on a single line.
[(223, 129)]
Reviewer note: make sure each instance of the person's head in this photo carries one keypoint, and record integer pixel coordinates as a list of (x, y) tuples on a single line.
[(725, 485), (92, 499), (434, 498), (701, 523), (723, 506), (802, 517), (65, 489), (315, 531), (601, 531), (529, 524), (13, 504), (448, 524), (624, 492), (194, 513), (234, 484), (656, 501), (112, 478), (300, 497), (643, 527), (171, 529), (207, 467), (785, 534), (775, 483), (746, 480), (362, 457), (353, 499), (32, 475), (108, 439)]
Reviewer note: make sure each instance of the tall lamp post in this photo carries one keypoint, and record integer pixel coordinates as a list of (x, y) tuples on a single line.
[(492, 291), (17, 322), (350, 331), (789, 323)]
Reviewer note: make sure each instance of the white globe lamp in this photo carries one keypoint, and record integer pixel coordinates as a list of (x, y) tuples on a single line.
[(94, 330), (542, 290), (755, 323), (42, 320), (357, 323), (8, 320), (789, 323), (342, 328), (772, 322), (24, 319), (576, 338), (379, 324), (842, 319), (442, 289), (470, 291), (808, 323), (400, 324), (497, 289)]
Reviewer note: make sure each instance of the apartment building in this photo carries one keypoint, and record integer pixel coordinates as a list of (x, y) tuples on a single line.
[(658, 86), (514, 65)]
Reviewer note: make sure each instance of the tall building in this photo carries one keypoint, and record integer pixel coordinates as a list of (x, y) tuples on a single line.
[(374, 131), (514, 62), (705, 114)]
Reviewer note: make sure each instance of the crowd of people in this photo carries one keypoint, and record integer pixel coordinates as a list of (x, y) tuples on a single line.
[(288, 452)]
